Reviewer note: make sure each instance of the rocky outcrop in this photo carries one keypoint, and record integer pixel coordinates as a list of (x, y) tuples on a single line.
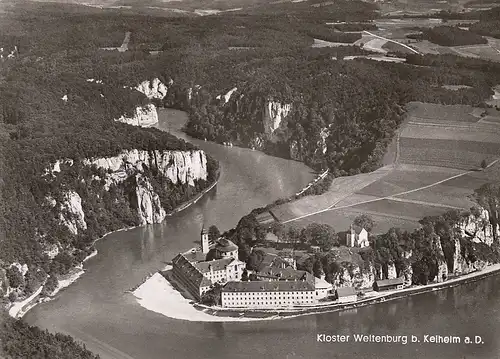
[(8, 53), (72, 215), (180, 167), (391, 271), (274, 114), (442, 271), (144, 116), (351, 275), (154, 89), (475, 229), (227, 96), (149, 206), (177, 166), (322, 142)]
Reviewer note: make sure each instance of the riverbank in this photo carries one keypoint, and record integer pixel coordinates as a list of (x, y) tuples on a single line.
[(20, 308), (192, 201), (159, 295)]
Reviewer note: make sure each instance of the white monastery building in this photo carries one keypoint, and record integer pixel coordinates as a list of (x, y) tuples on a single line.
[(198, 275), (278, 283)]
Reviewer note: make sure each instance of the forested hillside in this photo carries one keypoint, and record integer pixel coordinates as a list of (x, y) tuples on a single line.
[(60, 93), (20, 341), (53, 121)]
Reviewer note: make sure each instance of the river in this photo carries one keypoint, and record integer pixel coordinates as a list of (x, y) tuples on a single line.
[(98, 311)]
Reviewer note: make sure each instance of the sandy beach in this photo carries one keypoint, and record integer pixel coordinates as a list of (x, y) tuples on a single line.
[(158, 295)]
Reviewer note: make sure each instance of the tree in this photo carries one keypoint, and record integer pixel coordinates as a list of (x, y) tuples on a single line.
[(15, 277), (318, 269), (213, 295), (483, 164), (255, 259), (319, 234), (364, 221), (243, 252), (213, 233), (244, 276)]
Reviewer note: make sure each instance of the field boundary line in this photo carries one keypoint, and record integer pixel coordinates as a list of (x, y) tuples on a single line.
[(386, 39), (332, 208), (424, 203)]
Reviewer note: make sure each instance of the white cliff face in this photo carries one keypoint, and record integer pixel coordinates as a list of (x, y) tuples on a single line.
[(56, 167), (322, 143), (442, 266), (22, 268), (153, 89), (178, 166), (354, 277), (144, 116), (52, 251), (148, 202), (227, 96), (72, 215), (275, 112), (184, 167), (478, 229)]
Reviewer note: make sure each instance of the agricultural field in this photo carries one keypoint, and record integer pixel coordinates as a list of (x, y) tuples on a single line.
[(323, 43), (437, 166), (450, 136)]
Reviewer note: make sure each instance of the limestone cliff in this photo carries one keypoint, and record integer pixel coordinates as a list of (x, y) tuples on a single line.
[(149, 206), (474, 235), (225, 98), (154, 89), (144, 116), (178, 167), (274, 114), (71, 212), (352, 275)]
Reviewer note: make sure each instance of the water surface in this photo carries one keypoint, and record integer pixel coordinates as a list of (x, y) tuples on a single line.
[(97, 311)]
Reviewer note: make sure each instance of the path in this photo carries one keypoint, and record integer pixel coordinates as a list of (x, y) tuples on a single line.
[(333, 208), (126, 40), (394, 41)]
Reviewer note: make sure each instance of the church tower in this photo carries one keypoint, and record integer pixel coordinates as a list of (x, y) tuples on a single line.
[(204, 241)]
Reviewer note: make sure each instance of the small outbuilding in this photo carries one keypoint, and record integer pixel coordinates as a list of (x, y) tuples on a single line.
[(346, 294), (389, 284)]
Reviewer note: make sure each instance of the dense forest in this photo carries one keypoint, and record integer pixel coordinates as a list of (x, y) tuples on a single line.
[(342, 116), (359, 104), (19, 340), (452, 36)]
